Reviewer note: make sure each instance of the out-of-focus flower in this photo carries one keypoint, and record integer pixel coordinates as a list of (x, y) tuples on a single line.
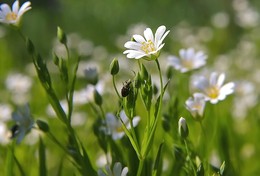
[(91, 75), (5, 112), (220, 20), (117, 170), (196, 105), (148, 46), (114, 125), (213, 88), (13, 16), (4, 134), (19, 85), (189, 60), (24, 122)]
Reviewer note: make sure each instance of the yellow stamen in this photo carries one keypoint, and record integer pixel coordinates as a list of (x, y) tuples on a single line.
[(213, 92), (11, 16), (187, 63), (148, 46)]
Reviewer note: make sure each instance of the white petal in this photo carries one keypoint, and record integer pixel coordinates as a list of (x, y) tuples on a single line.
[(157, 43), (133, 45), (213, 79), (158, 34), (5, 8), (227, 88), (15, 7), (221, 79), (139, 38), (134, 54), (124, 171), (148, 34), (190, 53), (25, 7), (117, 169)]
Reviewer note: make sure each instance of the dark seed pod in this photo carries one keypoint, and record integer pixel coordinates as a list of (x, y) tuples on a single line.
[(126, 88)]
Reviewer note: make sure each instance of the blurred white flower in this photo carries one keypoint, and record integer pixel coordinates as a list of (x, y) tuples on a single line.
[(147, 46), (4, 134), (117, 170), (5, 112), (114, 125), (196, 105), (220, 20), (24, 122), (13, 16), (189, 60), (213, 88), (19, 85)]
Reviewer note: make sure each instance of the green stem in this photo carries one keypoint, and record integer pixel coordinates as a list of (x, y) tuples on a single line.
[(114, 84), (140, 167)]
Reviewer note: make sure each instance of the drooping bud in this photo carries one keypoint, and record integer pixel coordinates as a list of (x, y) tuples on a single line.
[(61, 36), (183, 128), (114, 67)]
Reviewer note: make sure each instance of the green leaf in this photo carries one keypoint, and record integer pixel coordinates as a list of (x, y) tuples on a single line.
[(158, 162), (42, 159), (87, 168)]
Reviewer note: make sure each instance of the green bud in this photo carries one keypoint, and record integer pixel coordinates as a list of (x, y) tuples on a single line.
[(114, 67), (97, 98), (56, 59), (43, 126), (30, 46), (183, 128), (63, 70), (166, 122), (61, 36)]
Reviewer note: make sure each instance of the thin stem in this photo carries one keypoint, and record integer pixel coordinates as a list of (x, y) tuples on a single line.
[(114, 84), (140, 167), (53, 138)]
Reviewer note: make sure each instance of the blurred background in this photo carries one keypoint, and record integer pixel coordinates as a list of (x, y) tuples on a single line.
[(227, 31)]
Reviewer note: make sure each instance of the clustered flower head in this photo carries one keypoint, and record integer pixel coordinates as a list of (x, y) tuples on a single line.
[(13, 16), (148, 46), (189, 60)]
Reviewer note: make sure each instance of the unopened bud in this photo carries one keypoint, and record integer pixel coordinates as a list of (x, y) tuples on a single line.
[(114, 67), (183, 128), (61, 36)]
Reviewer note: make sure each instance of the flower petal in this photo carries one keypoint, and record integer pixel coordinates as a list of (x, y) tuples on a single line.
[(139, 38), (148, 34), (133, 45), (15, 7)]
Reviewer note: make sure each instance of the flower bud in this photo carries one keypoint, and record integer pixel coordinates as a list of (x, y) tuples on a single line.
[(97, 98), (114, 67), (42, 125), (61, 36), (183, 128), (56, 59)]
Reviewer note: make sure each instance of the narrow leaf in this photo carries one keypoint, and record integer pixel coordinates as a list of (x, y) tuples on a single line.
[(158, 161)]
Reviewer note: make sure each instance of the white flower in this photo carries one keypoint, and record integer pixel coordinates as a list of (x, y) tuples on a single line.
[(117, 170), (146, 46), (189, 60), (24, 122), (196, 105), (213, 88), (114, 125), (13, 16)]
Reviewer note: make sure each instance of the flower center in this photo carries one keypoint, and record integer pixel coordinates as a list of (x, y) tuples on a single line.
[(11, 16), (119, 129), (213, 92), (148, 46), (187, 63)]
